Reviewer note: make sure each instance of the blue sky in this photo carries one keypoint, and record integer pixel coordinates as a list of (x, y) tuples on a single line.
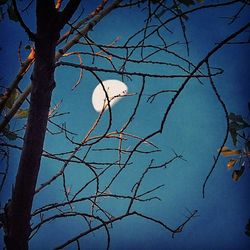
[(195, 129)]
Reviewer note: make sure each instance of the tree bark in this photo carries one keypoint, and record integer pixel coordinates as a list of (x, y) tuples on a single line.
[(49, 23)]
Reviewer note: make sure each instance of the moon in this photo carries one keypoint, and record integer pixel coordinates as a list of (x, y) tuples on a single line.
[(115, 90)]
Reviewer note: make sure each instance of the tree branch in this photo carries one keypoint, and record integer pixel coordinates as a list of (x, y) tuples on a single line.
[(227, 128), (68, 11), (23, 25), (60, 53)]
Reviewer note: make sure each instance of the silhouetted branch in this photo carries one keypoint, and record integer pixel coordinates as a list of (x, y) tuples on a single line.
[(126, 73), (30, 34), (118, 147), (134, 213), (68, 12), (227, 128)]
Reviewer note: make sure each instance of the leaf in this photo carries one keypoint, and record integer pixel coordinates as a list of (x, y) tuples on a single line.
[(231, 163), (233, 134), (238, 173), (237, 121), (238, 125), (58, 4), (32, 54), (236, 118), (11, 99), (12, 14), (22, 113), (225, 151), (9, 134)]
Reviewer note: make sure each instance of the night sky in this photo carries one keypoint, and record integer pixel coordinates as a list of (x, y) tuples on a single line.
[(195, 129)]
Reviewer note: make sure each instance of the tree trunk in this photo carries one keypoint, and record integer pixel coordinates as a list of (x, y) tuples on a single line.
[(18, 213)]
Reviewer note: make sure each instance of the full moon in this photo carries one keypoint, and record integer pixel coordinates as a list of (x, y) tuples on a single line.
[(115, 90)]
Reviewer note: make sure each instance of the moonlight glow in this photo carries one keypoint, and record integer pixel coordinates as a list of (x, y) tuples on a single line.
[(115, 89)]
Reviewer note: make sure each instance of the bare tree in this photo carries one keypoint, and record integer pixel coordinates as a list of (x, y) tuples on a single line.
[(53, 50)]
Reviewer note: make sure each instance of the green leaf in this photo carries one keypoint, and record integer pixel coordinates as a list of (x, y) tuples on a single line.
[(238, 125), (237, 121), (12, 14), (9, 134), (234, 117), (238, 173), (22, 113), (11, 99), (2, 2)]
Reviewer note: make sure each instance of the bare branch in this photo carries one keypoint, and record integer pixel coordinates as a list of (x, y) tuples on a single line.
[(67, 12), (227, 128), (23, 25)]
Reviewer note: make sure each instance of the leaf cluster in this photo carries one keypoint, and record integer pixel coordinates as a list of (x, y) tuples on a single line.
[(21, 113), (236, 123), (240, 140), (242, 153)]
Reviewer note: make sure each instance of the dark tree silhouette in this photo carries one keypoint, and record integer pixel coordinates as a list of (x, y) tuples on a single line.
[(50, 48), (49, 24)]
